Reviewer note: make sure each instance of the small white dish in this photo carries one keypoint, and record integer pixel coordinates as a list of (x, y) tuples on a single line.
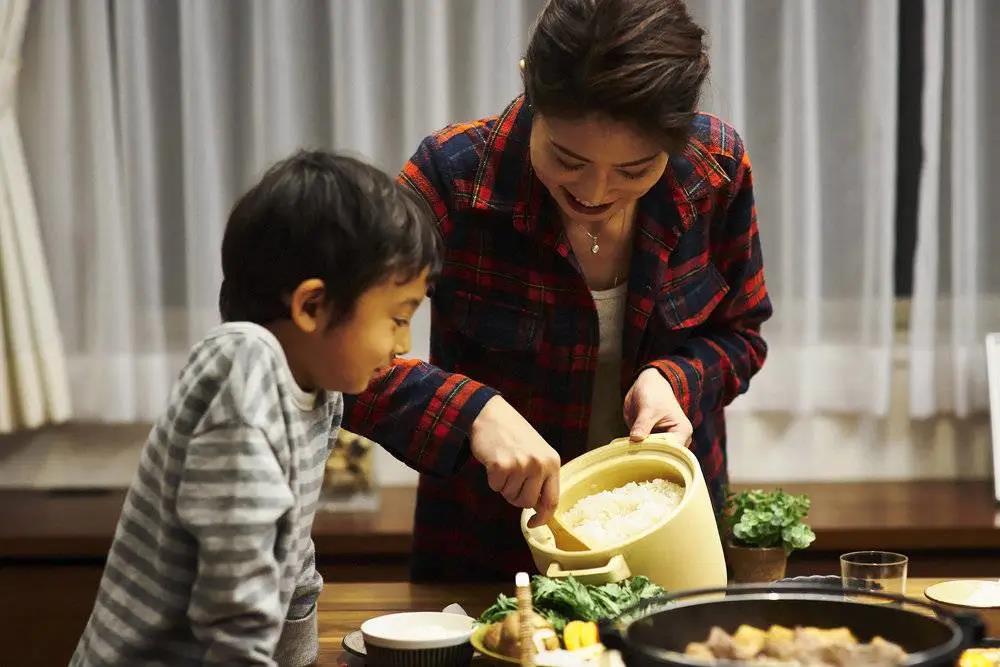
[(417, 630), (966, 593)]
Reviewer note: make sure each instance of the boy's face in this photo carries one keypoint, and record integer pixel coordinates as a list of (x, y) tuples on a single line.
[(353, 351)]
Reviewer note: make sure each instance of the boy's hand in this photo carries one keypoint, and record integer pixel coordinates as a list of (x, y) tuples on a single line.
[(520, 465)]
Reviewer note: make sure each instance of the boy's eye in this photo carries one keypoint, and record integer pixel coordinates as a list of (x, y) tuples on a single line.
[(401, 322)]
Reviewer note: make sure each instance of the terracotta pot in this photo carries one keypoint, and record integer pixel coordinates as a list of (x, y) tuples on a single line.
[(751, 565)]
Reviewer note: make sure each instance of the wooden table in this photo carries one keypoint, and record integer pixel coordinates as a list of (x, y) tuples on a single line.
[(344, 606)]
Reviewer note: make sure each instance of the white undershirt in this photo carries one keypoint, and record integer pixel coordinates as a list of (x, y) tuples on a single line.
[(606, 421)]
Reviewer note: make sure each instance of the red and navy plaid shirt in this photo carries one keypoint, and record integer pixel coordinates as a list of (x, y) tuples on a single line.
[(511, 313)]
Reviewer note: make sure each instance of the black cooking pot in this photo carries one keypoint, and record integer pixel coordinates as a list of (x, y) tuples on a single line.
[(659, 631)]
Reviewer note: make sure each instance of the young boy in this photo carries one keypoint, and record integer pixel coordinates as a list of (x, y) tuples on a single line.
[(324, 263)]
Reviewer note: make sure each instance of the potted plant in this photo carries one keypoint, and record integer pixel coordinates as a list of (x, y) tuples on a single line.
[(764, 527)]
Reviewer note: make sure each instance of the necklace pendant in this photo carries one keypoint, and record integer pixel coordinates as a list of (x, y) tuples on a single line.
[(594, 249)]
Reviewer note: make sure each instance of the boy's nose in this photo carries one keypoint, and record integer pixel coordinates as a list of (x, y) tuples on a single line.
[(402, 343)]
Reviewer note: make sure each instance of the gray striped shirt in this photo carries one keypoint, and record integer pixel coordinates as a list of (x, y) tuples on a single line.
[(212, 560)]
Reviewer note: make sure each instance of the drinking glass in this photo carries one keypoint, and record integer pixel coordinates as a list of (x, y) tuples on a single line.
[(882, 571)]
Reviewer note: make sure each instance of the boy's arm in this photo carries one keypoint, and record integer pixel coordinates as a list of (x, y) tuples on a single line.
[(299, 642), (230, 497)]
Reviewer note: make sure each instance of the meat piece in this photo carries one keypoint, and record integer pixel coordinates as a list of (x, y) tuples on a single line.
[(889, 651), (720, 643), (839, 647), (810, 647), (877, 653), (699, 650), (839, 636), (801, 647)]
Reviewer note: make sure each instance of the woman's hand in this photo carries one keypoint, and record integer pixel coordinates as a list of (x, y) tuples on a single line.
[(651, 405), (520, 465)]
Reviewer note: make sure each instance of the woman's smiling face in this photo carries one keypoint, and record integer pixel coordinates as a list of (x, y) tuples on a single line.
[(593, 167)]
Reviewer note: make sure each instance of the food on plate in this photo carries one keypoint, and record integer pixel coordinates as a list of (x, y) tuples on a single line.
[(563, 600), (504, 636), (571, 609), (580, 634), (591, 656), (811, 646), (611, 517)]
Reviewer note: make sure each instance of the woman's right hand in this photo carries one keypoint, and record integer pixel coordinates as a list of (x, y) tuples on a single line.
[(520, 465)]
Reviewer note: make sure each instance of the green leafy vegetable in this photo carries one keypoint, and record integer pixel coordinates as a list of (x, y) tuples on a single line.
[(499, 609), (769, 519), (562, 600)]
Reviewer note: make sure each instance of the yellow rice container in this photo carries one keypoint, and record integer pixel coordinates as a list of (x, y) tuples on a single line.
[(681, 551)]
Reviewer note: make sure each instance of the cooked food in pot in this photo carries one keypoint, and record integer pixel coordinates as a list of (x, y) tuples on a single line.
[(611, 517), (980, 657), (812, 647)]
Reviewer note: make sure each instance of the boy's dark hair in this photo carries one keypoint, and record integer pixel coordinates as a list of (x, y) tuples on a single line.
[(326, 216), (637, 61)]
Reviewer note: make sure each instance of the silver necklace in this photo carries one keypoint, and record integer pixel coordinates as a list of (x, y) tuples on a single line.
[(595, 247)]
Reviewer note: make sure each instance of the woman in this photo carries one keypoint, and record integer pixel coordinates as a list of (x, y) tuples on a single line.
[(603, 274)]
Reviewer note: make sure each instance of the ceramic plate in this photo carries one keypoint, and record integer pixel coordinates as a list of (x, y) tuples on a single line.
[(966, 593), (354, 644), (477, 643)]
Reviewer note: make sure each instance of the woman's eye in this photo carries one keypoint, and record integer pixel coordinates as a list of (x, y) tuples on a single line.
[(401, 323), (632, 175), (568, 166)]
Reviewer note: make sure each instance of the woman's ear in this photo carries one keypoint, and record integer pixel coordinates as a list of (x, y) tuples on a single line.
[(307, 304), (520, 65)]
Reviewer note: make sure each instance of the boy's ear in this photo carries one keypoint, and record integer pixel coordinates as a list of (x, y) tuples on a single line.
[(306, 304)]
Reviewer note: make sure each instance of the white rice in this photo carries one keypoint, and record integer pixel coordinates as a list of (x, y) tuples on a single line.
[(611, 517)]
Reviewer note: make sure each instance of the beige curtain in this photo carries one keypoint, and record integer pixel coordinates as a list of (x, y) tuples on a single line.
[(33, 382), (956, 276), (811, 87), (174, 108)]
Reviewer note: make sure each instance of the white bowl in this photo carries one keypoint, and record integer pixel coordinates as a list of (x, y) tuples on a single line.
[(417, 630)]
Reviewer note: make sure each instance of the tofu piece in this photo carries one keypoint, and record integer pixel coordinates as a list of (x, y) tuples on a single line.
[(748, 642), (780, 642)]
